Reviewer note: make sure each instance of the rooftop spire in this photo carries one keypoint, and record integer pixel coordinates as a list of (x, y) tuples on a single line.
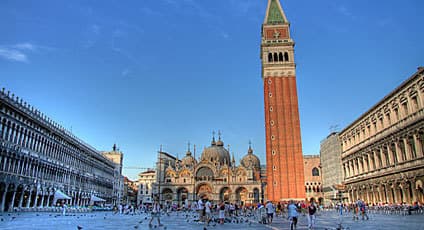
[(188, 149), (275, 13), (250, 151), (213, 138)]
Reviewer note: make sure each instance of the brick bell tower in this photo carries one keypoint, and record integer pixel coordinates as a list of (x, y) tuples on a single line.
[(284, 159)]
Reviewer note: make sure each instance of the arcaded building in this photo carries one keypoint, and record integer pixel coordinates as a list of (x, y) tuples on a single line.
[(382, 151), (313, 182), (214, 175), (41, 162), (284, 160)]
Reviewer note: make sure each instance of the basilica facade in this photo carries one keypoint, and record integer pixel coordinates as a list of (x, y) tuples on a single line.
[(214, 175)]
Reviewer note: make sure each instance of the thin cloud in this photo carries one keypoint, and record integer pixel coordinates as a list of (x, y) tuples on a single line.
[(95, 29), (343, 10), (13, 55), (25, 46), (225, 35), (125, 72), (19, 52)]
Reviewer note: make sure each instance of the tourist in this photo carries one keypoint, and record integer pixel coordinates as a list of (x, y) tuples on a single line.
[(64, 206), (208, 214), (221, 212), (362, 208), (312, 209), (155, 213), (200, 209), (293, 214), (269, 211), (279, 209)]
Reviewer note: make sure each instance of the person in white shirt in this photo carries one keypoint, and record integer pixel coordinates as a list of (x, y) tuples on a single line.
[(270, 211), (200, 209), (208, 213), (155, 213)]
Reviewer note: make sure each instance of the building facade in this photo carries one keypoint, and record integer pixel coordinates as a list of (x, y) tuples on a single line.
[(284, 160), (313, 179), (130, 192), (215, 175), (145, 183), (41, 162), (331, 168), (117, 157), (382, 151)]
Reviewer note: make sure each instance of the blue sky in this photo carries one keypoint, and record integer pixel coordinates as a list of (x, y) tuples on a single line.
[(152, 72)]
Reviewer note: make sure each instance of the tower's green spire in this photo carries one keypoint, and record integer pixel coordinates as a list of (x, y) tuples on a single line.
[(275, 16)]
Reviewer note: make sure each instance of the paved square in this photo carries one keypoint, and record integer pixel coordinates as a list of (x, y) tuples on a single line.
[(107, 220)]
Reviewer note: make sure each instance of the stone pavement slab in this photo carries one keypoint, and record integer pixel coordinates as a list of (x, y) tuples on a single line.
[(108, 221)]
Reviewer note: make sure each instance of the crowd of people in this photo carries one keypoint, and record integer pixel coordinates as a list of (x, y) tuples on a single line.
[(206, 211)]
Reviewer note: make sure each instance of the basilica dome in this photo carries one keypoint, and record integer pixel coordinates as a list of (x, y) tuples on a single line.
[(188, 160), (216, 153), (250, 160)]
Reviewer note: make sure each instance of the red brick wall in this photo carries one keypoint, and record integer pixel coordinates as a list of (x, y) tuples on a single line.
[(288, 159)]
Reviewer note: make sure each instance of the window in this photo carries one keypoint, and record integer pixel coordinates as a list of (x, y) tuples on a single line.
[(272, 122), (280, 57), (270, 94), (388, 119), (411, 143), (273, 152), (286, 56), (405, 108), (394, 154), (315, 172), (402, 150), (275, 57), (270, 57), (396, 113), (415, 103), (271, 108)]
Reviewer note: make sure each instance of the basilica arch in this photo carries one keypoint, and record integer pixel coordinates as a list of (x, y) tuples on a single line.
[(182, 195), (225, 194), (204, 189), (167, 195), (241, 195)]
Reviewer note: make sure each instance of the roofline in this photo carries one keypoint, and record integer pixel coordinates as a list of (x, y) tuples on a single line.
[(281, 9), (419, 71)]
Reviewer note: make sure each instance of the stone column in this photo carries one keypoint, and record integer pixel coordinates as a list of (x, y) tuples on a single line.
[(42, 199), (418, 147), (12, 202), (21, 198), (29, 198), (35, 198), (405, 145), (3, 199), (365, 166), (48, 198), (360, 169), (406, 195)]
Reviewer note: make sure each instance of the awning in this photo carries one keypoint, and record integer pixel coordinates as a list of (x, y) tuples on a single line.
[(95, 199), (59, 195)]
